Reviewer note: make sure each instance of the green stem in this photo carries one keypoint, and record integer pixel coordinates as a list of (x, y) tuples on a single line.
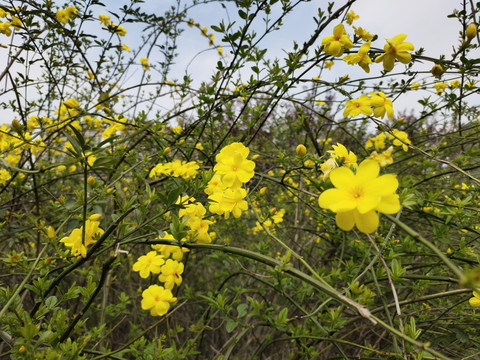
[(25, 280), (459, 273), (328, 290)]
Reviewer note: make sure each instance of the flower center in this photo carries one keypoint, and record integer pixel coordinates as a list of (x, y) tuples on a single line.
[(357, 193)]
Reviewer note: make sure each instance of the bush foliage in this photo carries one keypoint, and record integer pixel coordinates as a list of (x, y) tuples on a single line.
[(275, 208)]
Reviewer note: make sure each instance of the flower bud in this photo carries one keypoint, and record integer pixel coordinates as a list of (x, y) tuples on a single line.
[(51, 232), (17, 126), (437, 70), (471, 32), (110, 190), (301, 150), (167, 150), (21, 349), (262, 191), (255, 157), (91, 181), (48, 260), (95, 217)]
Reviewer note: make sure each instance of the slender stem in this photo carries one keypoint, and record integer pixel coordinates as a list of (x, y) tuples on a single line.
[(25, 280), (459, 273)]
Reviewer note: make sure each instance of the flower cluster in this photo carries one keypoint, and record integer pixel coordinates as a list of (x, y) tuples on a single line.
[(357, 198), (193, 214), (176, 168), (363, 105), (231, 171), (5, 27), (75, 239), (400, 138), (339, 156), (158, 298), (13, 143), (63, 15)]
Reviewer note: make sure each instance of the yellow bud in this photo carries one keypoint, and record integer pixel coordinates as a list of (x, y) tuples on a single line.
[(110, 190), (181, 142), (95, 217), (262, 191), (22, 349), (437, 70), (255, 157), (48, 260), (51, 232), (91, 181), (471, 32), (301, 150), (167, 150)]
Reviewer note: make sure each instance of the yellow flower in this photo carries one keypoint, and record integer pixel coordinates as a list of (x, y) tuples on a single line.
[(328, 64), (401, 139), (176, 252), (233, 165), (144, 62), (190, 22), (71, 11), (229, 201), (62, 16), (361, 58), (378, 141), (354, 107), (382, 105), (334, 44), (171, 273), (440, 87), (415, 86), (475, 301), (157, 299), (71, 103), (149, 263), (383, 159), (351, 17), (74, 241), (395, 48), (343, 156), (125, 47), (104, 19), (327, 167), (356, 198), (5, 28), (363, 34), (455, 84), (4, 176), (118, 29)]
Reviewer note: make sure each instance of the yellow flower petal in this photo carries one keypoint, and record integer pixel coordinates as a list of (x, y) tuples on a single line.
[(345, 220), (366, 223)]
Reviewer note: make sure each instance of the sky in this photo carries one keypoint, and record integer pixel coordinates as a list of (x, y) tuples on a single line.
[(424, 21)]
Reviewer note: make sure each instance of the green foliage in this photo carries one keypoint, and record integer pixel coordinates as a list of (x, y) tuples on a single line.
[(112, 162)]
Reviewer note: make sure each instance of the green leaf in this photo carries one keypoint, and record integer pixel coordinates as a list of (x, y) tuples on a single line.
[(242, 310), (231, 325)]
